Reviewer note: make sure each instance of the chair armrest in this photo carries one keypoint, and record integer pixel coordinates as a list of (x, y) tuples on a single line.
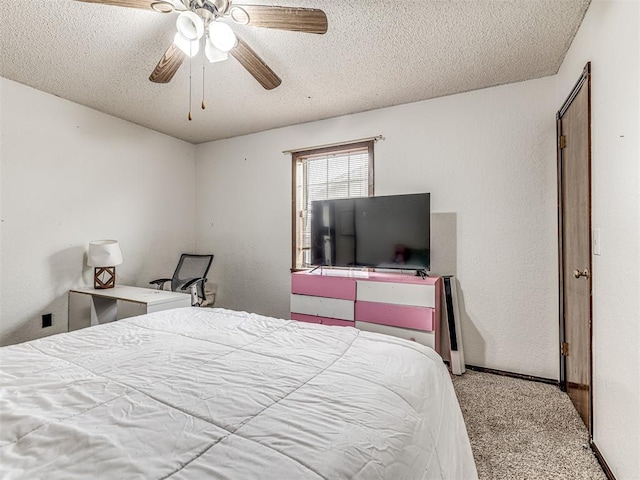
[(193, 281), (159, 283), (192, 284)]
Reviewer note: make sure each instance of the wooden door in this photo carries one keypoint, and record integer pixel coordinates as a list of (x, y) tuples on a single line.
[(574, 195)]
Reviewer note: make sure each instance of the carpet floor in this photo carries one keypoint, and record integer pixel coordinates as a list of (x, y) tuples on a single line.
[(524, 430)]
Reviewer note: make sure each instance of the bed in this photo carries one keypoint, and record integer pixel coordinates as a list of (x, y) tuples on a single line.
[(212, 393)]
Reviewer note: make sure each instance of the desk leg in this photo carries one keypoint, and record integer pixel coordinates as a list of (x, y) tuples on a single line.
[(103, 310), (79, 311)]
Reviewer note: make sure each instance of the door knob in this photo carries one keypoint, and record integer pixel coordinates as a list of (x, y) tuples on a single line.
[(584, 273)]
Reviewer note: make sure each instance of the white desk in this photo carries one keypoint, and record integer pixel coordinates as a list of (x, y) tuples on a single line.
[(90, 306)]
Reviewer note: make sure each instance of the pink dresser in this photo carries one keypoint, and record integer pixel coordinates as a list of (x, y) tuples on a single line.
[(392, 303)]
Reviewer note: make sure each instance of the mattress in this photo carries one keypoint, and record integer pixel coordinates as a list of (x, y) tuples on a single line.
[(212, 393)]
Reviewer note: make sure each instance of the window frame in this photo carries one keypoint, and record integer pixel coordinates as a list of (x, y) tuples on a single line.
[(296, 158)]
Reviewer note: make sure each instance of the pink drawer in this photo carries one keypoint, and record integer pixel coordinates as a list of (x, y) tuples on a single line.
[(403, 316), (323, 286), (306, 318), (339, 323), (323, 320)]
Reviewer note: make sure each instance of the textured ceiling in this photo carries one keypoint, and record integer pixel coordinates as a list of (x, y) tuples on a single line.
[(376, 53)]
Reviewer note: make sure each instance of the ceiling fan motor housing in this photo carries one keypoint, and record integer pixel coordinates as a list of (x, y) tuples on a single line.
[(213, 8), (221, 6)]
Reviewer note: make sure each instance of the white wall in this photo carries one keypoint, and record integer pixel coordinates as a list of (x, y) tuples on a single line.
[(608, 38), (71, 175), (488, 159)]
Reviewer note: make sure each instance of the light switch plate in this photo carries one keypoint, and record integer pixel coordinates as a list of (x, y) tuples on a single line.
[(595, 239)]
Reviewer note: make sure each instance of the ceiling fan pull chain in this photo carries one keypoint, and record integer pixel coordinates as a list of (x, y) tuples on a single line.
[(203, 64), (190, 63)]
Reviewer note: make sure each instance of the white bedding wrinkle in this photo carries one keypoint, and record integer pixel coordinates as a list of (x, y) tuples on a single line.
[(212, 393)]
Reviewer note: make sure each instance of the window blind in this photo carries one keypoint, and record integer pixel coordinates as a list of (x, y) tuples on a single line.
[(341, 174)]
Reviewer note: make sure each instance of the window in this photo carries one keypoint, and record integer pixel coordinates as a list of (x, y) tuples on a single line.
[(333, 172)]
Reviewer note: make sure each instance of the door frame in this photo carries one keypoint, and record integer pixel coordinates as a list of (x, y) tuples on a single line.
[(585, 77)]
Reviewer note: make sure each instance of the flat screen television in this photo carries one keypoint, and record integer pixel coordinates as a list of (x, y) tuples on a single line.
[(381, 232)]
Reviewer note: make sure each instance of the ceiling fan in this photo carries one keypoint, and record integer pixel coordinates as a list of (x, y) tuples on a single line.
[(199, 22)]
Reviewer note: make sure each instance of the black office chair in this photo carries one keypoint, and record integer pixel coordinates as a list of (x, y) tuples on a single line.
[(191, 272)]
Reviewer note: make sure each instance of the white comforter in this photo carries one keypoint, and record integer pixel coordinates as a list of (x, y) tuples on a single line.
[(200, 393)]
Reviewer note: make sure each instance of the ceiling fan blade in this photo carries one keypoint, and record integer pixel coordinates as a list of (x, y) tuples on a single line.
[(144, 4), (308, 20), (168, 65), (255, 65)]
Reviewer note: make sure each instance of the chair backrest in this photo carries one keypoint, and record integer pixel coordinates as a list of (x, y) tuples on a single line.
[(190, 267)]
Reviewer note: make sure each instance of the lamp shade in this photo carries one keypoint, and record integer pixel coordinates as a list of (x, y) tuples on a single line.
[(213, 54), (222, 37), (190, 26), (104, 253), (190, 49)]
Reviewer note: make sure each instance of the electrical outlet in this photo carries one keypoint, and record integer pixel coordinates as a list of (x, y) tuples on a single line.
[(47, 320)]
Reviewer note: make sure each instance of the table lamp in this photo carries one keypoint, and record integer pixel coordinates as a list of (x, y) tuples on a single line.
[(104, 255)]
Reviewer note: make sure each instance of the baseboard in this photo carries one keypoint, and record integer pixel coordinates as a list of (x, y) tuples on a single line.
[(521, 376), (601, 461)]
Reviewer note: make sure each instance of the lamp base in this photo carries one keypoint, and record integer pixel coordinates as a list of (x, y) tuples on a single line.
[(104, 277)]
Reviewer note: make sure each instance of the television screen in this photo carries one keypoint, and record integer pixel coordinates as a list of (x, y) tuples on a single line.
[(382, 232)]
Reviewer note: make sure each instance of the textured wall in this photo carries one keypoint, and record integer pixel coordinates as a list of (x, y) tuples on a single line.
[(71, 175), (488, 159), (609, 39)]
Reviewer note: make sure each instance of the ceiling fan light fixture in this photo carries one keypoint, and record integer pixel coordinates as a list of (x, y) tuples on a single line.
[(190, 26), (213, 54), (222, 37), (190, 49)]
